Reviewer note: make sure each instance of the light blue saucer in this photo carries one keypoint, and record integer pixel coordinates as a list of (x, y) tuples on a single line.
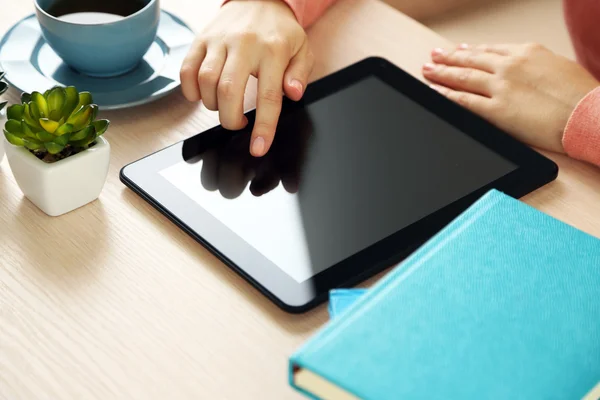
[(31, 65)]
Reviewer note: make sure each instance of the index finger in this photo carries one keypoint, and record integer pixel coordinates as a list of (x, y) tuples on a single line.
[(268, 105)]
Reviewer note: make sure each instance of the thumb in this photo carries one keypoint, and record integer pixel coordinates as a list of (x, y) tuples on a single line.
[(297, 73)]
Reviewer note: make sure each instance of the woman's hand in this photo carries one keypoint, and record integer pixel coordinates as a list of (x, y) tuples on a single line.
[(526, 90), (249, 37)]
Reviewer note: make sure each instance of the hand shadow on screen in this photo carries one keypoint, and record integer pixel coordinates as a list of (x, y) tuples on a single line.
[(228, 166)]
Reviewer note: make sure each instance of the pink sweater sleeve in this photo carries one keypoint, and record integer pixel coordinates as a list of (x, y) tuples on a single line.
[(306, 11), (581, 139)]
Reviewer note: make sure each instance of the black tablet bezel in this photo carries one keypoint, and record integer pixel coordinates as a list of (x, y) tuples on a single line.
[(142, 176)]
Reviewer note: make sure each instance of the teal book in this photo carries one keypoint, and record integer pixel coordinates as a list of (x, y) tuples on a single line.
[(504, 303)]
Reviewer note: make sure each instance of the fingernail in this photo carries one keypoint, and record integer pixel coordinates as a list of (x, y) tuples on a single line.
[(258, 147), (439, 52), (297, 84), (429, 67), (463, 46), (435, 87)]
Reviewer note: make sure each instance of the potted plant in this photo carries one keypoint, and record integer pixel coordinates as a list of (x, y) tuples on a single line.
[(55, 150), (3, 89)]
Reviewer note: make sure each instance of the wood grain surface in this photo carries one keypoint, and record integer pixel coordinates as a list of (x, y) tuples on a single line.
[(112, 301)]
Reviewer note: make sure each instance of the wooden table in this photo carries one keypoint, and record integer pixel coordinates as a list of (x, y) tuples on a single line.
[(112, 301)]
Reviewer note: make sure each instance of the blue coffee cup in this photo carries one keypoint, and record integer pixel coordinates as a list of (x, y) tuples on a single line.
[(96, 43)]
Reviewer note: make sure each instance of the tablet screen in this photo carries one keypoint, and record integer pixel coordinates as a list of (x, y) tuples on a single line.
[(344, 172)]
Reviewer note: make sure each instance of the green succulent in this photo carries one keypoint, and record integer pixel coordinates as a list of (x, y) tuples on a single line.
[(3, 89), (60, 122)]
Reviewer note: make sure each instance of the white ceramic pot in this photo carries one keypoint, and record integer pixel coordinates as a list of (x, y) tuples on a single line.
[(62, 186), (2, 122)]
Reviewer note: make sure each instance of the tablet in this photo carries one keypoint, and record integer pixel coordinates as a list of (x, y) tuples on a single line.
[(368, 166)]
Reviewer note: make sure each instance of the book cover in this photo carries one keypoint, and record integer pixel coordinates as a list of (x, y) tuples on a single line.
[(504, 303)]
